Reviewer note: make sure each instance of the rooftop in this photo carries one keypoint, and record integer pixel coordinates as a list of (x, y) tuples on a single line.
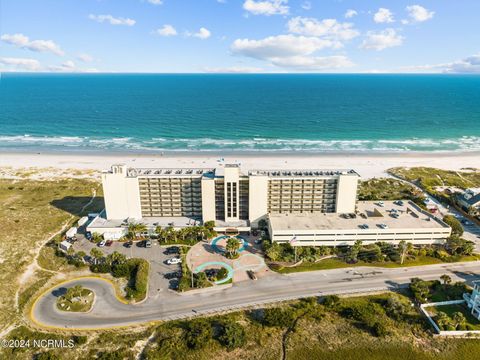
[(301, 173), (410, 216), (168, 171)]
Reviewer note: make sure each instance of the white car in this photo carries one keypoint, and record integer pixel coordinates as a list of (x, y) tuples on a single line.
[(102, 243), (174, 261)]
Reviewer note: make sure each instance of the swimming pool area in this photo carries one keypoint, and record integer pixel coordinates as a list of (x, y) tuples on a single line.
[(216, 248)]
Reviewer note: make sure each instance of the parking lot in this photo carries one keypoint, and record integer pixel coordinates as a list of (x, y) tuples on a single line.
[(158, 282)]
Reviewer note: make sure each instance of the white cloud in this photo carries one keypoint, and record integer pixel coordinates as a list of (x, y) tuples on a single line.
[(280, 46), (306, 5), (112, 20), (383, 15), (350, 13), (418, 13), (155, 2), (22, 41), (85, 58), (21, 63), (380, 40), (468, 65), (291, 51), (267, 7), (67, 66), (234, 70), (327, 28), (203, 33), (309, 63), (166, 30)]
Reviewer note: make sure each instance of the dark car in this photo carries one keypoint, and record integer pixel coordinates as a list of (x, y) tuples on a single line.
[(141, 243), (251, 274), (172, 250), (173, 275), (109, 243), (88, 235), (173, 284), (128, 244)]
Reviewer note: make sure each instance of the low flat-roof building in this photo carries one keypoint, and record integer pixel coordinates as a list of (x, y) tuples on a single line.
[(388, 221)]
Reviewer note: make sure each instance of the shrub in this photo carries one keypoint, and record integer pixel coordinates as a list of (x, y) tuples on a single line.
[(379, 329), (121, 270), (47, 356), (222, 273), (137, 287), (232, 335), (198, 333), (101, 268), (395, 308), (79, 339), (457, 228), (279, 317), (331, 301)]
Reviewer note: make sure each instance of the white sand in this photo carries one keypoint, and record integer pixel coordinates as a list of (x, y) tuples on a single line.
[(367, 165)]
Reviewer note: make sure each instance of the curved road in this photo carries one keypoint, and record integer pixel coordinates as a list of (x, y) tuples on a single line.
[(109, 312)]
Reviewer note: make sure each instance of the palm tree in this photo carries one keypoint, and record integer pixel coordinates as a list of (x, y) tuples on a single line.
[(459, 319), (134, 229), (116, 258), (446, 280), (96, 237), (232, 246), (96, 254)]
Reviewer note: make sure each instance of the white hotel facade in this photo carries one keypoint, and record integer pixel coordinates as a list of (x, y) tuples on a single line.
[(303, 204)]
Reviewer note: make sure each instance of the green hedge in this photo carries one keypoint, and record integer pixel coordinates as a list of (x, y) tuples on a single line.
[(138, 284)]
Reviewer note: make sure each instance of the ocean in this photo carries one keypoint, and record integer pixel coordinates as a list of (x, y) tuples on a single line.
[(239, 113)]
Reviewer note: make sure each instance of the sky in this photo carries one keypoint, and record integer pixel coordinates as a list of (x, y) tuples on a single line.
[(240, 36)]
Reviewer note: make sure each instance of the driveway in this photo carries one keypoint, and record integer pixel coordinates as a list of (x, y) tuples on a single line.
[(108, 311)]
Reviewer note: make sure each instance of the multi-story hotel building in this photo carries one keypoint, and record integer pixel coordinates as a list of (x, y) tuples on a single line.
[(304, 206), (226, 195)]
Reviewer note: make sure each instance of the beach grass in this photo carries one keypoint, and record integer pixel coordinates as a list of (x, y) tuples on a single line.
[(33, 211)]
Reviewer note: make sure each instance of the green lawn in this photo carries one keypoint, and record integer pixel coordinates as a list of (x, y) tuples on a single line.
[(81, 303), (336, 263), (451, 309)]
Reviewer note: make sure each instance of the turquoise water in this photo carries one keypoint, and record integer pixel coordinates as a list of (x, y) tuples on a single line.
[(318, 113)]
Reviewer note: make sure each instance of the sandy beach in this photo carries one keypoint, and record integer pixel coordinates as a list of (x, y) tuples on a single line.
[(367, 165)]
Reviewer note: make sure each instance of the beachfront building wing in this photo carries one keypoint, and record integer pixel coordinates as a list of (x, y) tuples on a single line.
[(386, 221), (225, 195)]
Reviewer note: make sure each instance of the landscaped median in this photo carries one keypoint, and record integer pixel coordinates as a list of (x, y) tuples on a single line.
[(76, 299), (281, 257)]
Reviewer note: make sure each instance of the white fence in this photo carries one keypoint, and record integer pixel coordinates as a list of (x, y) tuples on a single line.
[(435, 326)]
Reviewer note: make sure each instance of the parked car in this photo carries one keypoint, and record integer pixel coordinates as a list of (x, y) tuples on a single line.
[(128, 244), (148, 243), (255, 233), (173, 275), (88, 235), (174, 261), (383, 226), (109, 243), (381, 203), (398, 202), (364, 226), (102, 243), (172, 250), (258, 241), (251, 274), (173, 284), (141, 243)]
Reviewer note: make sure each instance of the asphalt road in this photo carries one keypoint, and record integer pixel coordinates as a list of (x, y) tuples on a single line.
[(109, 312)]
